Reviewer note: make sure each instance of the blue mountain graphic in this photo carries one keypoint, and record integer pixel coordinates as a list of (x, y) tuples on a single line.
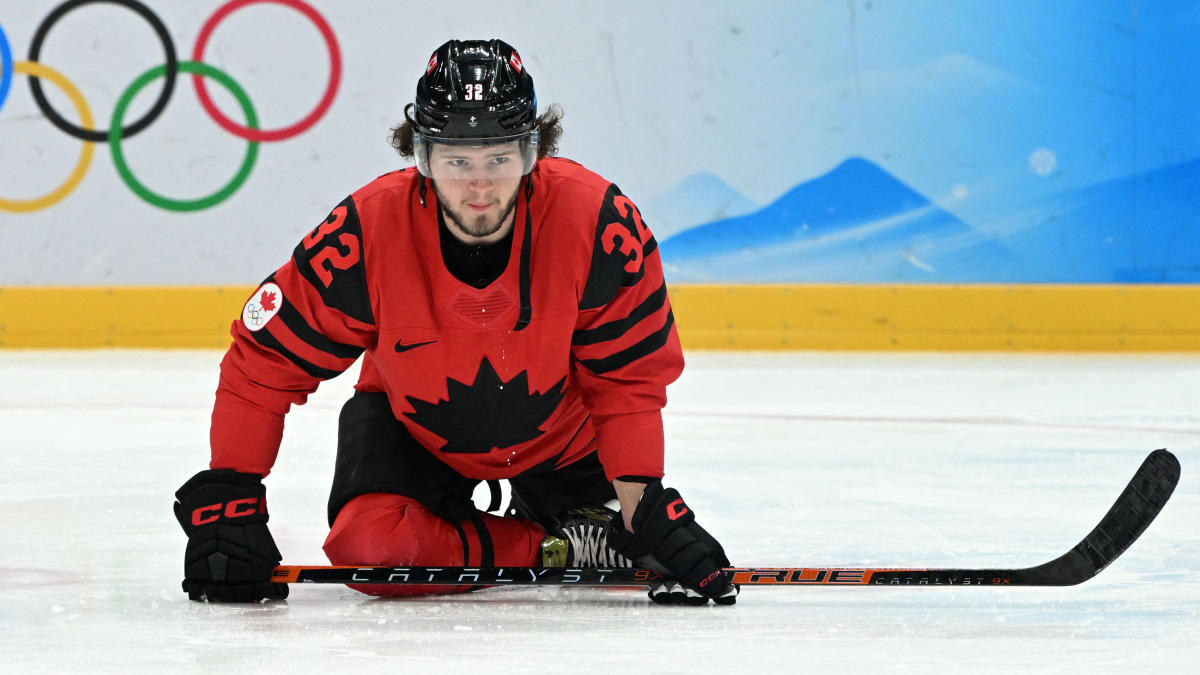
[(856, 223), (697, 199), (1137, 229)]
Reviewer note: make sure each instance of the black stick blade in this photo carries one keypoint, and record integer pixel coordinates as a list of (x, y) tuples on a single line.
[(1130, 515)]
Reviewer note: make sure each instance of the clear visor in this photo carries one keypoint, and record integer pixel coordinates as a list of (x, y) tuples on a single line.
[(475, 159)]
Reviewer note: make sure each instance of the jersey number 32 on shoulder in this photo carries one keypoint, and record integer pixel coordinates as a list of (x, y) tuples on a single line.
[(619, 232), (342, 257)]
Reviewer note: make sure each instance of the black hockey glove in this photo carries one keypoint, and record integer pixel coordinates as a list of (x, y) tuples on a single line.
[(230, 552), (667, 539)]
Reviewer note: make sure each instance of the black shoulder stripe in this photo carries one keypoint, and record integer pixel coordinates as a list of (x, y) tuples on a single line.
[(621, 244), (267, 340), (615, 329), (650, 344), (296, 323), (330, 258)]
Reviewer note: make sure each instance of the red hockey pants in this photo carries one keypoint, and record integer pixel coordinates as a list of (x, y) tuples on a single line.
[(389, 529)]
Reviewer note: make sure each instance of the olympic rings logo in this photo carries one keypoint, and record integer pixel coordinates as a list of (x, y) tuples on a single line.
[(116, 133)]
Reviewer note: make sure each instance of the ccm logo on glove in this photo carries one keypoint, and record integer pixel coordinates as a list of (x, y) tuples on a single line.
[(676, 509), (234, 509)]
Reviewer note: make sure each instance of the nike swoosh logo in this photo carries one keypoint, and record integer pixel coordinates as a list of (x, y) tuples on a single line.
[(401, 347)]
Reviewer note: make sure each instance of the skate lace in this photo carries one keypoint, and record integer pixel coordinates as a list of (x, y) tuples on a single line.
[(589, 545)]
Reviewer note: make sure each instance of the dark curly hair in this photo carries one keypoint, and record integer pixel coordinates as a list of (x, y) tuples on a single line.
[(548, 129)]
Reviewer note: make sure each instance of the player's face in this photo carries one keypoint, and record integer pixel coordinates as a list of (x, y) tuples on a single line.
[(476, 187)]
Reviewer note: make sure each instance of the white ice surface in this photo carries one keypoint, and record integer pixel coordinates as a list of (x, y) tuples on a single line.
[(790, 460)]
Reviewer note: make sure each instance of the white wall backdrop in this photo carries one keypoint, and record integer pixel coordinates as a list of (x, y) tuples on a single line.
[(651, 91), (943, 141)]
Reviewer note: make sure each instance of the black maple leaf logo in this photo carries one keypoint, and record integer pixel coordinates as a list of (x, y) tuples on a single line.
[(487, 413)]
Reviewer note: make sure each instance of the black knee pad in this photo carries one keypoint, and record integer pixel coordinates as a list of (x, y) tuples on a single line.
[(376, 453)]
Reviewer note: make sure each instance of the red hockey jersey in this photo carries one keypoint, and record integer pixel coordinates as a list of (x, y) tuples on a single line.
[(568, 351)]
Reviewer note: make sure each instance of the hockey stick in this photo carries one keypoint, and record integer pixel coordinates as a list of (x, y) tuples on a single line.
[(1129, 516)]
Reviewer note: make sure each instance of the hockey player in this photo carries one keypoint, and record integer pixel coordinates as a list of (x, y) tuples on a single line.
[(515, 324)]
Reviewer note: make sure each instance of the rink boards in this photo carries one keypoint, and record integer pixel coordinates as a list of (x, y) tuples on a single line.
[(1043, 317)]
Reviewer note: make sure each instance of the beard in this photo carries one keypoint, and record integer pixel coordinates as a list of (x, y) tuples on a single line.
[(476, 224)]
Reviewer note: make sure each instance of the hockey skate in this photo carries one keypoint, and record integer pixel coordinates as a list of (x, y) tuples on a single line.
[(579, 538)]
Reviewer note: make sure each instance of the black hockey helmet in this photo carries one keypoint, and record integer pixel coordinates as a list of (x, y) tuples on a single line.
[(477, 93)]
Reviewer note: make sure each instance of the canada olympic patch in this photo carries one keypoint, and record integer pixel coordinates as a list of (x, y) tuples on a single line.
[(261, 306)]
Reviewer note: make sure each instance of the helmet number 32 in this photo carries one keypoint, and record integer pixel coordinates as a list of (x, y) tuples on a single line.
[(474, 92)]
